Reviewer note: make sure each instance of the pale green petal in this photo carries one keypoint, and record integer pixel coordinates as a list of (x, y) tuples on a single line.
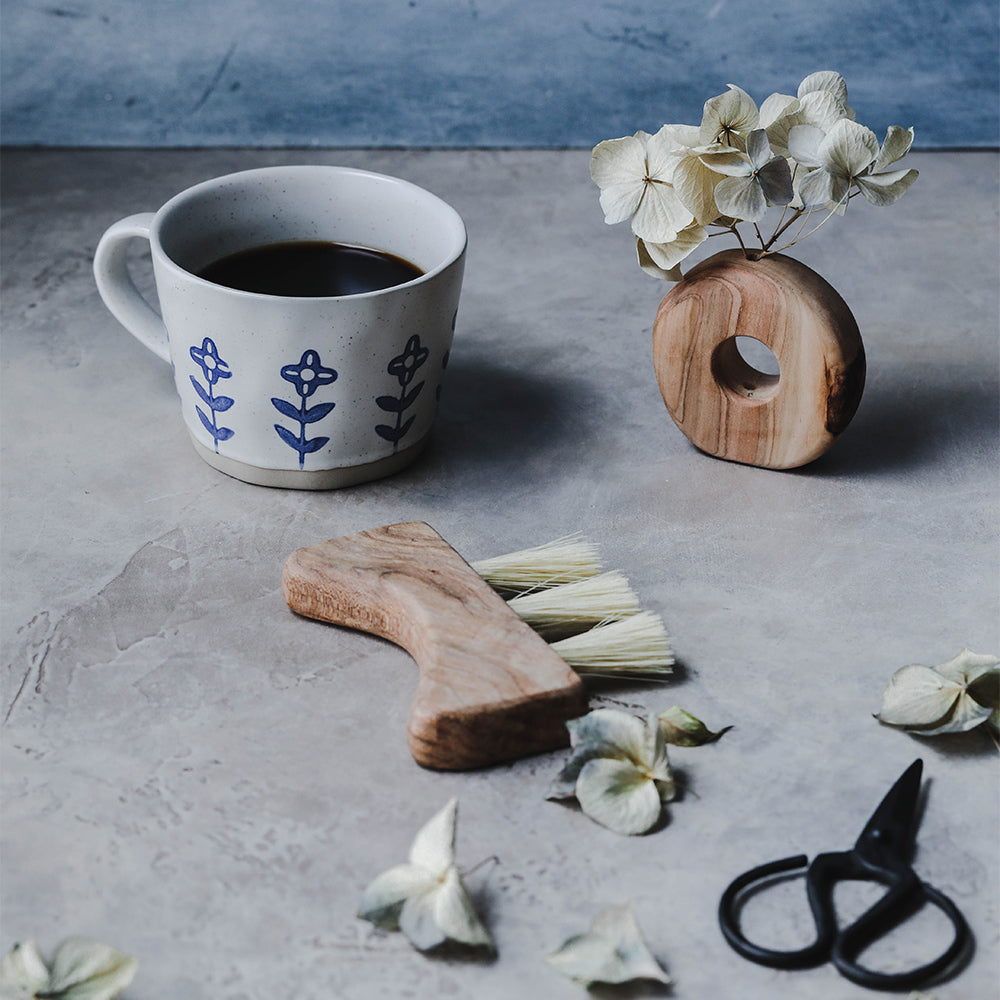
[(23, 972), (884, 189), (612, 951), (433, 847), (896, 145), (618, 795), (666, 256), (650, 267), (741, 198), (88, 970), (661, 214), (918, 697), (682, 729), (383, 900), (455, 915), (848, 149), (804, 143)]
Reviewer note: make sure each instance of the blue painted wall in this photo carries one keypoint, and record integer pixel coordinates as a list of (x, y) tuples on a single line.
[(474, 72)]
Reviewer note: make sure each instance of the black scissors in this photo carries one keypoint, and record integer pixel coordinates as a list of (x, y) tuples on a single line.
[(881, 855)]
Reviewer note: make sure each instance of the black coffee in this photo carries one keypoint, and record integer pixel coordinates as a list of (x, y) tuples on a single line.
[(310, 268)]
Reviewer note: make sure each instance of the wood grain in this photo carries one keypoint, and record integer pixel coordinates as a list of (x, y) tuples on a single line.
[(721, 403), (490, 689)]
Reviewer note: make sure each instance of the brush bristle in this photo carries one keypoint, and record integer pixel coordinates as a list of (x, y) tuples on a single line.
[(565, 560), (636, 647), (577, 605)]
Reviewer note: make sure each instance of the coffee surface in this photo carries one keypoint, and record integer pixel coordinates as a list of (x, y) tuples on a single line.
[(310, 268)]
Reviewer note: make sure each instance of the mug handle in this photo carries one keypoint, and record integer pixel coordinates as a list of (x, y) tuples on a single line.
[(118, 290)]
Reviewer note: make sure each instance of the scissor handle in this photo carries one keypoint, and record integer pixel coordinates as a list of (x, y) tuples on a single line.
[(906, 894)]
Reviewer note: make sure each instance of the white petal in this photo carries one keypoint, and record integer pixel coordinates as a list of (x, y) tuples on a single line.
[(804, 142), (741, 198), (918, 697), (884, 189), (816, 188), (612, 951), (822, 109), (695, 184), (661, 214), (848, 149), (666, 256), (454, 913), (653, 269), (758, 148), (433, 847), (968, 666), (418, 921), (618, 161), (731, 162), (88, 970), (776, 107), (617, 795), (896, 145), (384, 898), (728, 114), (620, 201), (825, 80), (23, 972), (613, 733)]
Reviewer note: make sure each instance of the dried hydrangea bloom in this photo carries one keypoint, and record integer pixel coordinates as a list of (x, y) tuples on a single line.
[(425, 897), (634, 175), (612, 951)]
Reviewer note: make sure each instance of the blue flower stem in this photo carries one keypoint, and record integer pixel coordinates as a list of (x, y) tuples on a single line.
[(215, 425), (302, 433)]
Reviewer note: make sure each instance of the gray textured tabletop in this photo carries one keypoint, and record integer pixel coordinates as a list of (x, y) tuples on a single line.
[(195, 775)]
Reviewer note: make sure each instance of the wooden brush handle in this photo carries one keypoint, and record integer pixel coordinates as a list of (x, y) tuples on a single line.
[(490, 689)]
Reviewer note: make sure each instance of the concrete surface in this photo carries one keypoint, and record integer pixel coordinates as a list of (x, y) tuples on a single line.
[(198, 777)]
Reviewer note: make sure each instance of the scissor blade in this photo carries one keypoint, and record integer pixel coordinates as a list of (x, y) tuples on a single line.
[(892, 826)]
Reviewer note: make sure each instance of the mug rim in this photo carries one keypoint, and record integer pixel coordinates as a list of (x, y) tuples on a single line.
[(174, 203)]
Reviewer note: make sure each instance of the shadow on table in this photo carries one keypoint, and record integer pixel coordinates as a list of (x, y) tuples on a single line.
[(912, 426), (512, 421)]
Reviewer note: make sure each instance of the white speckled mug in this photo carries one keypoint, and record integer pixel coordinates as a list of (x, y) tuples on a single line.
[(303, 392)]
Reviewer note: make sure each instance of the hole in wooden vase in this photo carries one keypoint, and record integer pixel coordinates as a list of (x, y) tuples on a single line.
[(746, 368)]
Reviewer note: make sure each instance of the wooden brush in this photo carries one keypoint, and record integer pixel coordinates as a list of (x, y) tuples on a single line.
[(490, 688)]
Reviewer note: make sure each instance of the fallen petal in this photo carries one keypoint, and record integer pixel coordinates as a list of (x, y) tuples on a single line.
[(612, 951)]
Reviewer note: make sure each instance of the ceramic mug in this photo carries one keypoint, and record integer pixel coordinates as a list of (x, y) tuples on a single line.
[(311, 392)]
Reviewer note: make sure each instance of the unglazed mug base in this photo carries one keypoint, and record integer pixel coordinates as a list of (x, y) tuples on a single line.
[(311, 479)]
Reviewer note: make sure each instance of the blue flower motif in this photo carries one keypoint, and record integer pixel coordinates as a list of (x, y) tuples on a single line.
[(308, 375), (404, 366), (212, 365), (213, 368)]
